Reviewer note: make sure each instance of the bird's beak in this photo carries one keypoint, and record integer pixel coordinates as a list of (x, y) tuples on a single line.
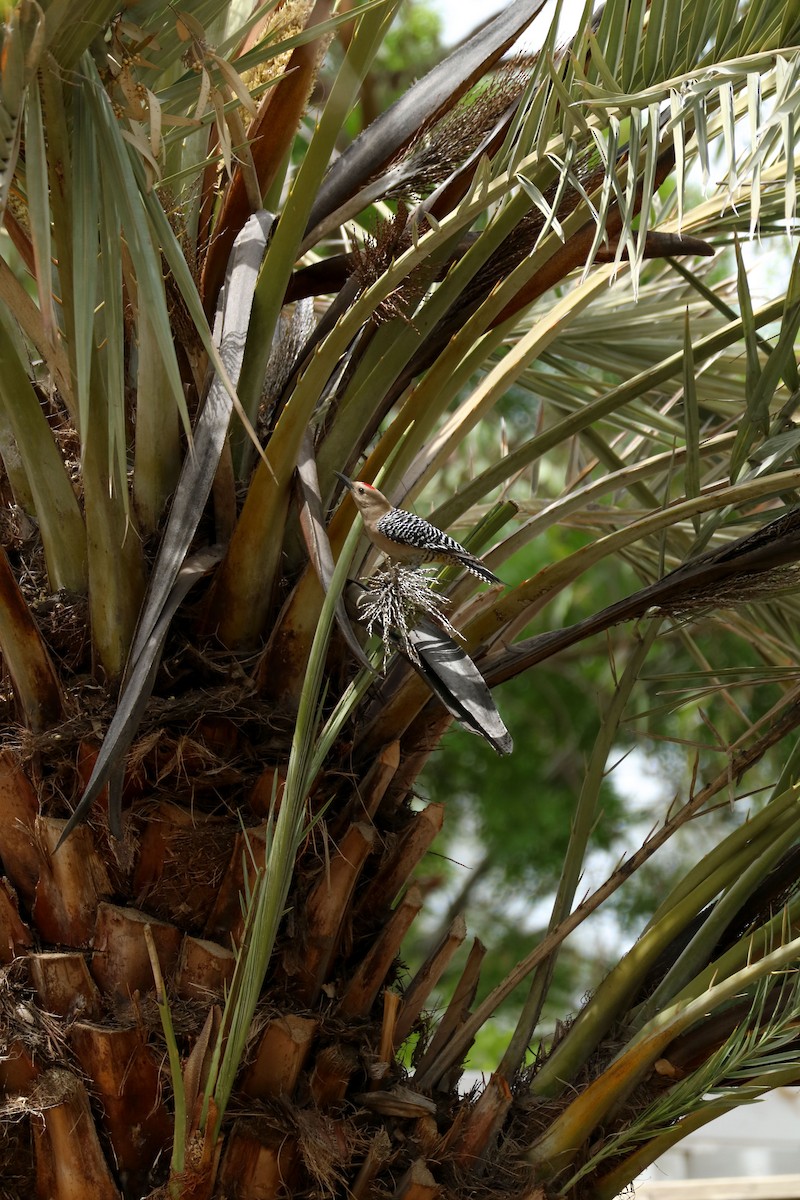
[(347, 482)]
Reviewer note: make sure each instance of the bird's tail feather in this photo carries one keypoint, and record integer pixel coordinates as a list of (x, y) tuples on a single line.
[(477, 568)]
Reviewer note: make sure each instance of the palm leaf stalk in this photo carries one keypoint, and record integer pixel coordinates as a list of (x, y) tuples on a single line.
[(210, 307)]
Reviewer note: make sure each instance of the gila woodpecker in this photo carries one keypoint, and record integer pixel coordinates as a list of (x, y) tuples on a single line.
[(404, 537)]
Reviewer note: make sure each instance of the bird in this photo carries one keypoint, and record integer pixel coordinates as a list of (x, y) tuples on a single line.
[(407, 538)]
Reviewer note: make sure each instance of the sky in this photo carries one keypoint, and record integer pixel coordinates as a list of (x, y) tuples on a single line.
[(461, 16)]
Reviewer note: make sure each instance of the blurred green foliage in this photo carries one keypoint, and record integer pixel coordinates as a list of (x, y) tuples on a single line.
[(508, 819)]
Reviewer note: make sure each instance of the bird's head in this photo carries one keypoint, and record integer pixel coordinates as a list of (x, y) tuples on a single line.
[(369, 501)]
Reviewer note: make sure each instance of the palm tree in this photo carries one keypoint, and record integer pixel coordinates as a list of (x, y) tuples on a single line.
[(206, 821)]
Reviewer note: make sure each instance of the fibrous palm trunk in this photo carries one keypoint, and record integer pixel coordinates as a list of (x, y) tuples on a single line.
[(322, 1102)]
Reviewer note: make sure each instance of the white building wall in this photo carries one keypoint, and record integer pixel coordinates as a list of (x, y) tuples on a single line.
[(754, 1140)]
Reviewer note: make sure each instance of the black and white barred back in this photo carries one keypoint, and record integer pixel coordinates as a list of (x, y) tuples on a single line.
[(407, 529)]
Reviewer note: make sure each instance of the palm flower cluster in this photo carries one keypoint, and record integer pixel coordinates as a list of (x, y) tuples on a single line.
[(394, 600)]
